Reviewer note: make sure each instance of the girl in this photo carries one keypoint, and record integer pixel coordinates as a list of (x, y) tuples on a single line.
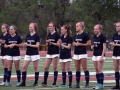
[(81, 41), (52, 41), (3, 38), (13, 43), (116, 54), (65, 55), (32, 54), (98, 55)]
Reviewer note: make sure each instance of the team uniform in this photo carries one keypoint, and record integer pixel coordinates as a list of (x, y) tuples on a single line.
[(3, 54), (53, 52), (80, 53), (116, 55), (65, 56), (32, 54), (13, 53), (98, 47), (97, 53)]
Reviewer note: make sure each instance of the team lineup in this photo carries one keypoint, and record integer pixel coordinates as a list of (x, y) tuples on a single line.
[(59, 49)]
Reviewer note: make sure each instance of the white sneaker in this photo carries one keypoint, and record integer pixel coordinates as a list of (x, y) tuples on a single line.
[(2, 84)]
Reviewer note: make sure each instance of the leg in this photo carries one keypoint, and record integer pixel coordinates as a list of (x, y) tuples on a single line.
[(18, 72), (85, 69), (46, 72), (116, 68), (36, 69), (78, 75), (55, 63), (96, 69), (68, 68), (63, 73), (9, 66)]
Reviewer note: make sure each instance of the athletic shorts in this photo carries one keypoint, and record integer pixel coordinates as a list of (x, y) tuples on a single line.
[(96, 58), (78, 57), (52, 56), (116, 57), (31, 57), (15, 58), (65, 60)]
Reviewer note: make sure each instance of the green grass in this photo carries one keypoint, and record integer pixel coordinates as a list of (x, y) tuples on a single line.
[(108, 66)]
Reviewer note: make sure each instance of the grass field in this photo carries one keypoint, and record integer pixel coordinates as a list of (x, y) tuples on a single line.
[(108, 69)]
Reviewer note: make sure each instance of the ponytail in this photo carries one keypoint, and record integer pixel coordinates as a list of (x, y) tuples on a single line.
[(68, 28)]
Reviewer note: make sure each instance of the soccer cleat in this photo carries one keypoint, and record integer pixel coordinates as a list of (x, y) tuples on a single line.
[(96, 86), (21, 84), (99, 86), (44, 84), (53, 85), (35, 84), (2, 84), (18, 83), (7, 84), (76, 86), (115, 87), (62, 86), (86, 86), (69, 86)]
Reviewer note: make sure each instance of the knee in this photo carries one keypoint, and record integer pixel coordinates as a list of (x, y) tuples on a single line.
[(63, 70), (36, 68), (116, 69), (55, 68), (97, 71), (68, 69), (45, 68), (24, 68)]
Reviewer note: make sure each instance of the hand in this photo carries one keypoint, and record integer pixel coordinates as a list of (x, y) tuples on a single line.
[(113, 44), (101, 58), (60, 41), (92, 47), (47, 41), (1, 41), (25, 44), (12, 45), (78, 44)]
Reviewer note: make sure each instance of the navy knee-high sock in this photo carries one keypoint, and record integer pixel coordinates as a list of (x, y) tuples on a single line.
[(117, 78), (101, 78), (87, 77), (36, 77), (18, 72), (8, 76), (64, 78), (98, 78), (46, 73), (24, 74), (55, 77), (70, 77), (5, 74), (78, 75)]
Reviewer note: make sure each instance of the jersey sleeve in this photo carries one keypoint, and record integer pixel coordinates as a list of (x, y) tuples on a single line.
[(6, 42), (70, 40), (104, 39), (19, 40), (38, 38), (87, 37)]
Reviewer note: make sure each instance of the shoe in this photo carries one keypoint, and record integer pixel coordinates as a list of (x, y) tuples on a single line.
[(99, 86), (96, 86), (22, 84), (62, 86), (44, 84), (86, 86), (35, 84), (76, 86), (7, 84), (115, 87), (2, 84), (69, 86), (53, 85), (18, 83)]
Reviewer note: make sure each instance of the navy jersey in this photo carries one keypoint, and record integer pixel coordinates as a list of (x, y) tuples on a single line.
[(64, 52), (81, 38), (116, 50), (52, 49), (13, 40), (98, 44), (4, 50), (32, 40)]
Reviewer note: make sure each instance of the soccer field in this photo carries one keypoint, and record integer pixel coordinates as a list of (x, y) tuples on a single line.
[(108, 71)]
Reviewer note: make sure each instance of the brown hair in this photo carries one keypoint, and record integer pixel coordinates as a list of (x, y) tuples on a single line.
[(15, 28), (54, 25), (6, 26), (100, 26), (68, 28)]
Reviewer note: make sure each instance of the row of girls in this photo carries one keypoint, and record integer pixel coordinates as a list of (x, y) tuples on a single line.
[(10, 43)]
